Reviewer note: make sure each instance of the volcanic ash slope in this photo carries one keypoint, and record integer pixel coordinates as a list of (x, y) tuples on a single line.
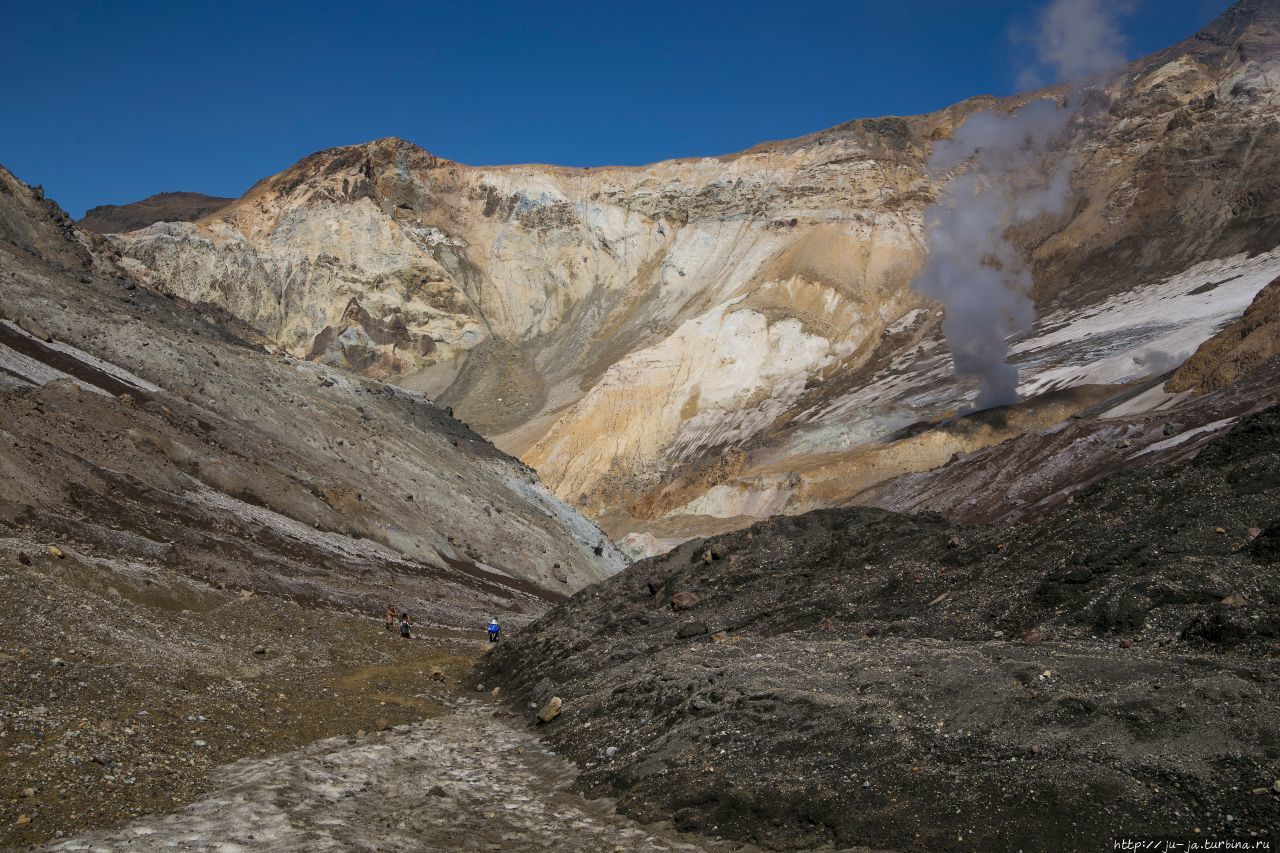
[(861, 677)]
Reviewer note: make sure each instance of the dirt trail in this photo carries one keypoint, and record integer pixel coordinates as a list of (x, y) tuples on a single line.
[(467, 780)]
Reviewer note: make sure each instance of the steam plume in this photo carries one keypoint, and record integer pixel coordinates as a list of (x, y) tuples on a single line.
[(1003, 173), (973, 268), (1077, 39)]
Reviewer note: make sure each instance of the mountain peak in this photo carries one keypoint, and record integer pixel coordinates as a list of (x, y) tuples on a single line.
[(355, 169), (1240, 18)]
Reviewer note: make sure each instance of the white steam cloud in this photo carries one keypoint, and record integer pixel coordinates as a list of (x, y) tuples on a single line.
[(1077, 39), (1003, 173)]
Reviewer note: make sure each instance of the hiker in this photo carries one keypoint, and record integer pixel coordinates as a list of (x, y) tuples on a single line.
[(494, 630), (406, 629), (391, 617)]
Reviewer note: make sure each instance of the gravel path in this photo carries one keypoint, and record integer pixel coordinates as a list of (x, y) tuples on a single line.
[(464, 781)]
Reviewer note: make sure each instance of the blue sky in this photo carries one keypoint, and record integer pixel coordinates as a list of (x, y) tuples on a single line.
[(108, 102)]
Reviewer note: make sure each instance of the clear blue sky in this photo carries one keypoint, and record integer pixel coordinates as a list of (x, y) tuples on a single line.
[(108, 102)]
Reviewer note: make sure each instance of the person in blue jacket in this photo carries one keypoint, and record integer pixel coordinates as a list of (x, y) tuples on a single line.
[(494, 630)]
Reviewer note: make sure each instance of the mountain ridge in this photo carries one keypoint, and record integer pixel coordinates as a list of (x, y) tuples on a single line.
[(173, 206)]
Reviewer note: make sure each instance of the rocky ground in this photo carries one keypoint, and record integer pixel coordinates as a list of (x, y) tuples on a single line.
[(125, 685), (463, 780), (142, 711), (862, 677)]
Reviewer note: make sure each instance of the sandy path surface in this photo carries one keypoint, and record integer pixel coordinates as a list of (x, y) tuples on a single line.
[(463, 781)]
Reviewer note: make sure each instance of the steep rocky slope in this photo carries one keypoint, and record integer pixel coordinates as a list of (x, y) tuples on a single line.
[(859, 677), (134, 424), (694, 344), (162, 207), (1237, 349)]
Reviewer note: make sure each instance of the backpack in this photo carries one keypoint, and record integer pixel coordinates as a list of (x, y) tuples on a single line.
[(404, 629)]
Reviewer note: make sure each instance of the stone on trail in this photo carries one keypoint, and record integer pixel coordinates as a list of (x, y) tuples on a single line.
[(382, 724), (55, 551), (685, 600), (690, 629), (551, 710), (437, 675)]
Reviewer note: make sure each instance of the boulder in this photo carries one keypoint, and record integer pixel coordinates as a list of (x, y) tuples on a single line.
[(1265, 547), (34, 329), (685, 600), (551, 710), (691, 629)]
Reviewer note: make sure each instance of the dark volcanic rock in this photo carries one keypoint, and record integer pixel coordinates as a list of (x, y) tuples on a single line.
[(691, 629), (872, 687), (1266, 547)]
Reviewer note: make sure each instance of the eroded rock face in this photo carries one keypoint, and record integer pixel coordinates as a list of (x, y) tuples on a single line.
[(1237, 350), (692, 344)]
